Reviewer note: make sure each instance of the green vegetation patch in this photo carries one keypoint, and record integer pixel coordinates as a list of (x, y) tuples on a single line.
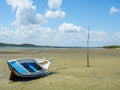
[(114, 46)]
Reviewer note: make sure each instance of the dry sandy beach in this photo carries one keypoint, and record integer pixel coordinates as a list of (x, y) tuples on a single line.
[(68, 68)]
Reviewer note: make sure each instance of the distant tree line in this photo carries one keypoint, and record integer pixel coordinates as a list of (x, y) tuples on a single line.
[(17, 45), (23, 45), (32, 45), (113, 46)]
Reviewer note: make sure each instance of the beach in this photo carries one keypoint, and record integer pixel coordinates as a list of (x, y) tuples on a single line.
[(68, 68)]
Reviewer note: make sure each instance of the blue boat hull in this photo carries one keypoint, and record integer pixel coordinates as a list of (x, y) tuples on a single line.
[(26, 68)]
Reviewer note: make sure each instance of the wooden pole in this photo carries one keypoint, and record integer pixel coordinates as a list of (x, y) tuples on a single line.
[(88, 65)]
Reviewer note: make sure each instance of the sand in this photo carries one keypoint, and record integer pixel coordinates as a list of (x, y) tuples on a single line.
[(68, 68)]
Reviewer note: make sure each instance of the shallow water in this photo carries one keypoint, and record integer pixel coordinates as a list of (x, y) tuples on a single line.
[(3, 75), (19, 47)]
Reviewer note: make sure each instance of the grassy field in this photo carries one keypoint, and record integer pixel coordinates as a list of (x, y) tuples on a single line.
[(69, 70)]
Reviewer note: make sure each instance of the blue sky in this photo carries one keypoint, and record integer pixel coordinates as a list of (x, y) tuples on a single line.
[(60, 22)]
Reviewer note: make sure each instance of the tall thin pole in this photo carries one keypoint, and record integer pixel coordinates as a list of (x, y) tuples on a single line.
[(88, 46)]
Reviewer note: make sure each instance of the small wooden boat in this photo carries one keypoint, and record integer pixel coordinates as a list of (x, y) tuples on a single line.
[(28, 67)]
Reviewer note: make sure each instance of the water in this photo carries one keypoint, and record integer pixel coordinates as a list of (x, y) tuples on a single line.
[(9, 47)]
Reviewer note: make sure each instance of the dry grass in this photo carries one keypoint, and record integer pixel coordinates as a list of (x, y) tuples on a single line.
[(70, 71)]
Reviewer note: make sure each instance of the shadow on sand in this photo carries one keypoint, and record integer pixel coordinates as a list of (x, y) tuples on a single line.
[(25, 79)]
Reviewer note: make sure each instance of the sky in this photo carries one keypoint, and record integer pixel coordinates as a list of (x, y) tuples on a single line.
[(60, 22)]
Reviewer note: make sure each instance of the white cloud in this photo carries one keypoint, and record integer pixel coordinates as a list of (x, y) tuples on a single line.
[(54, 10), (20, 3), (69, 27), (114, 10), (31, 34), (48, 36), (26, 13), (55, 14), (54, 4)]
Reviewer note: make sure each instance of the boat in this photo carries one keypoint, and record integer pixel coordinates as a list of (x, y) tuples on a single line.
[(28, 67)]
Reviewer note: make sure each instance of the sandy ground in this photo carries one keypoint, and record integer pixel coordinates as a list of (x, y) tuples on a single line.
[(68, 68)]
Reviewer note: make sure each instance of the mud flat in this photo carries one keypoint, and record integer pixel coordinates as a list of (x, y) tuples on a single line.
[(69, 71)]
